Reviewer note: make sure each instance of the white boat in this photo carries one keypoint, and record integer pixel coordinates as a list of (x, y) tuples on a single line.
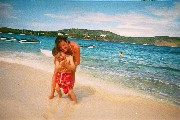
[(9, 40), (31, 40), (92, 46), (14, 39), (3, 38), (6, 39), (22, 34)]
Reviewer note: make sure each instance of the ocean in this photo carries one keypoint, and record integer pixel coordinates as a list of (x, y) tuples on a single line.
[(154, 70)]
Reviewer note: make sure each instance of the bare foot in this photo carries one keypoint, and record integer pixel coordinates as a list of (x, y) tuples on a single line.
[(60, 94), (51, 96), (75, 103)]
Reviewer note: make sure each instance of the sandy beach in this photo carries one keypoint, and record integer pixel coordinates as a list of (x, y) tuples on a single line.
[(25, 90)]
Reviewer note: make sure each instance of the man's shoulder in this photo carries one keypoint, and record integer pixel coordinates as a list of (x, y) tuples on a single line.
[(74, 44)]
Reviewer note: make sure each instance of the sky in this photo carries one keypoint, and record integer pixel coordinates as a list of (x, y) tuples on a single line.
[(126, 18)]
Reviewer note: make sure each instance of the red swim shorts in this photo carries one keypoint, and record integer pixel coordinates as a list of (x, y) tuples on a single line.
[(64, 80)]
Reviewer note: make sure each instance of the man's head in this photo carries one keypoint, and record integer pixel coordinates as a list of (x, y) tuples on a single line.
[(62, 43)]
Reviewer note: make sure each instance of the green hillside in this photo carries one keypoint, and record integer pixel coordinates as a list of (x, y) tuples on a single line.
[(101, 35)]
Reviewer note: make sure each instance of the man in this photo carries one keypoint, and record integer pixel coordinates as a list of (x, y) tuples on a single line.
[(71, 48)]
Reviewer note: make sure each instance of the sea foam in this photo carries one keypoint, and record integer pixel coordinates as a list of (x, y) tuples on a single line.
[(48, 53), (28, 59)]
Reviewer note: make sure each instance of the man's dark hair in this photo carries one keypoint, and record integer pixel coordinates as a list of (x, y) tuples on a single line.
[(60, 38)]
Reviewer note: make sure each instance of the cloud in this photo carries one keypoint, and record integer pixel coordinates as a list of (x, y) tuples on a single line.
[(45, 26), (158, 21), (129, 24), (136, 24), (58, 16), (95, 17), (166, 12), (161, 21), (6, 11), (4, 8)]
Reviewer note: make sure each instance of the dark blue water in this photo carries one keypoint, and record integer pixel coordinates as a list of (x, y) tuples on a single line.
[(153, 69)]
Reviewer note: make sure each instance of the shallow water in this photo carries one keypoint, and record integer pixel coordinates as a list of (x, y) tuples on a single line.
[(152, 69)]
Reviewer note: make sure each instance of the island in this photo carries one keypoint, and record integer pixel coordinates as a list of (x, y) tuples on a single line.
[(100, 35)]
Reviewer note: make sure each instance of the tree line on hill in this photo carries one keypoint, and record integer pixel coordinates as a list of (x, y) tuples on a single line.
[(100, 35)]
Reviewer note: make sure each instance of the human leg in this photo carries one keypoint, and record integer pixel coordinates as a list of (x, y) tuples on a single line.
[(72, 95), (53, 85), (58, 90), (73, 77), (69, 96)]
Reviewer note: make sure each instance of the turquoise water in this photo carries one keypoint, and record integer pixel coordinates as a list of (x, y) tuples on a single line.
[(152, 69)]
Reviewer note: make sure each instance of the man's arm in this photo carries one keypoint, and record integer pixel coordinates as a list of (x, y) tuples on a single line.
[(77, 55), (72, 65)]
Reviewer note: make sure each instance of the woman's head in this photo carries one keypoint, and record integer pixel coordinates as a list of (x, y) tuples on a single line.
[(58, 54), (62, 43), (55, 51)]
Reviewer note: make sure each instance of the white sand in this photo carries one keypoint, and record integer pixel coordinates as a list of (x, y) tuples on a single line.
[(24, 96)]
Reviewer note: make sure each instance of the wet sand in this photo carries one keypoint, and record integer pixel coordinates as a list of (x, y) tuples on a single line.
[(24, 95)]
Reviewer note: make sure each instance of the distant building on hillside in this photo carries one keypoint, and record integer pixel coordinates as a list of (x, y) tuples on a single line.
[(102, 35), (60, 34)]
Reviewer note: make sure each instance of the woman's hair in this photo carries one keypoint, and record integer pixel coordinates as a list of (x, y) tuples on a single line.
[(55, 51), (60, 39)]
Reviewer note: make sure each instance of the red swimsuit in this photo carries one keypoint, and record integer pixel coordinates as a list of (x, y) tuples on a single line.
[(64, 80)]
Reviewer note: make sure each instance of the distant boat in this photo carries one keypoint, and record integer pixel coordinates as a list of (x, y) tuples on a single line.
[(3, 38), (14, 39), (22, 34), (31, 40), (10, 33), (9, 39), (92, 46)]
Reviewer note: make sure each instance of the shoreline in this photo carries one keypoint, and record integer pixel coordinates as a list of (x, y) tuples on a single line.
[(115, 91), (25, 90), (165, 41)]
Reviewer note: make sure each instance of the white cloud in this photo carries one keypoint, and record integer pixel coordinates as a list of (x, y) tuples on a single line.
[(163, 22), (57, 16), (6, 10), (147, 27), (166, 12), (130, 24), (160, 21), (5, 5), (95, 17), (44, 26)]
